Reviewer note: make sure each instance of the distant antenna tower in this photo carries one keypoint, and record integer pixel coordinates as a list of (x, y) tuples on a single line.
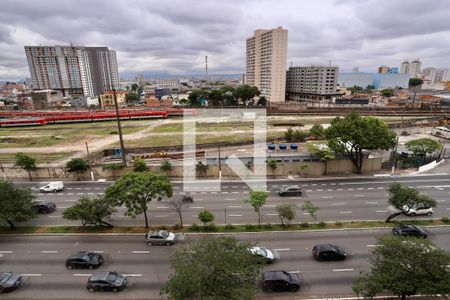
[(291, 63), (329, 63), (206, 68)]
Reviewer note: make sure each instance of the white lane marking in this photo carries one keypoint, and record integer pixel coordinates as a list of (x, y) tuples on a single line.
[(68, 188), (35, 274), (234, 186), (314, 184), (339, 203), (282, 249), (54, 216), (323, 184), (245, 192), (340, 189), (269, 205), (230, 199), (100, 193), (223, 192), (441, 200), (295, 272), (212, 193), (320, 190), (343, 270), (133, 275), (271, 214), (235, 215), (234, 206), (161, 207), (350, 189), (197, 207), (78, 188), (360, 189), (306, 213), (333, 183), (381, 211), (140, 251), (82, 274), (327, 197), (161, 216), (69, 193), (98, 251), (371, 188), (63, 207), (199, 199), (372, 245), (345, 212), (202, 192), (372, 202), (71, 200), (380, 188), (90, 193), (329, 190), (359, 195), (49, 251), (235, 192), (309, 190), (6, 252), (80, 193)]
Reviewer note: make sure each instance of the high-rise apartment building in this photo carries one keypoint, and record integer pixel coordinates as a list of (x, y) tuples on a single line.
[(414, 68), (265, 68), (404, 67), (73, 70), (311, 83)]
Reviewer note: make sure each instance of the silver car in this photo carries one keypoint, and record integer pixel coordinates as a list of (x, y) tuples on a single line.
[(160, 237)]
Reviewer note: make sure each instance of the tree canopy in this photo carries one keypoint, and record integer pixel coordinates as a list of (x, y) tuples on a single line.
[(423, 146), (286, 211), (387, 92), (135, 190), (139, 165), (415, 82), (76, 165), (90, 211), (215, 268), (246, 93), (257, 199), (205, 216), (404, 198), (352, 134), (16, 204), (26, 162), (405, 266), (310, 208)]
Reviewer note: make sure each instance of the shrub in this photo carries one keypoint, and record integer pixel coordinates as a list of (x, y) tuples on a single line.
[(321, 224), (267, 225), (304, 225), (211, 227), (338, 224), (445, 220), (249, 227), (229, 227), (194, 227)]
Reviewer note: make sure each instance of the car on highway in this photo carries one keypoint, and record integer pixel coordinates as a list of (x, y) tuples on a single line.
[(290, 190), (9, 281), (84, 260), (53, 186), (44, 207), (280, 281), (269, 256), (409, 230), (160, 237), (419, 209), (328, 252), (107, 281)]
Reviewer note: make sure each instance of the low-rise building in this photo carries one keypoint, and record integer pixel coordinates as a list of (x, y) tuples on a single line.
[(107, 98), (45, 99)]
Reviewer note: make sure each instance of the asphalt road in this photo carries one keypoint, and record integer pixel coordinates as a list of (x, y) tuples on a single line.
[(343, 199), (40, 260)]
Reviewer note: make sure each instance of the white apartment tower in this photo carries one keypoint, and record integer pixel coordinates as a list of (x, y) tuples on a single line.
[(414, 68), (266, 57), (404, 67), (74, 70)]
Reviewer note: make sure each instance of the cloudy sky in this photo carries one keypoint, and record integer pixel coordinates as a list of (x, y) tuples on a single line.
[(173, 36)]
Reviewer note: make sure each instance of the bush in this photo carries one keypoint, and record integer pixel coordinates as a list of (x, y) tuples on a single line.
[(304, 225), (211, 227), (322, 225), (229, 227), (267, 226), (249, 227), (445, 220), (194, 227), (338, 224)]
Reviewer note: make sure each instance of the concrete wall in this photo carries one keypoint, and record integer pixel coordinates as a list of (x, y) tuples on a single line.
[(312, 169)]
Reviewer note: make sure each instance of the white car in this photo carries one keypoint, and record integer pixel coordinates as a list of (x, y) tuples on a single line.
[(54, 186), (269, 255), (160, 237), (419, 209)]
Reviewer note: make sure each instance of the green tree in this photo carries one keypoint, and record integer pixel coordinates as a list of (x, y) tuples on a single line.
[(423, 146), (215, 97), (246, 93), (272, 164), (205, 216), (324, 152), (113, 167), (140, 90), (403, 199), (351, 135), (26, 162), (356, 89), (310, 208), (257, 199), (90, 211), (195, 95), (387, 92), (405, 267), (139, 165), (415, 82), (16, 204), (134, 87), (215, 268), (289, 135), (318, 131), (76, 165), (286, 211), (135, 190), (262, 101), (201, 168), (132, 97), (166, 166), (299, 135)]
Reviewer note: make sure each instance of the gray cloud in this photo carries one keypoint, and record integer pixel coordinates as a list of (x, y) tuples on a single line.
[(174, 36)]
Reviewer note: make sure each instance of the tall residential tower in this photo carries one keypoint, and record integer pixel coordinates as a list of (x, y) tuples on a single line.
[(74, 70), (265, 66)]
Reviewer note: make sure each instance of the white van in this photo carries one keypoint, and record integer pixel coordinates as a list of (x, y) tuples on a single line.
[(54, 186)]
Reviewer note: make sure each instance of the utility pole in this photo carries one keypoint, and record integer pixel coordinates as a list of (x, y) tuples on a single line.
[(3, 171), (89, 161), (119, 126), (220, 165), (206, 69)]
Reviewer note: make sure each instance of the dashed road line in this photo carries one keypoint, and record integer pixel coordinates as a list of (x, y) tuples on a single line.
[(339, 203), (161, 216), (140, 251), (372, 245), (345, 212), (5, 252), (230, 199), (234, 206), (282, 249), (327, 197), (197, 207), (81, 274), (372, 202), (31, 275), (49, 251), (381, 211), (235, 215), (343, 270), (359, 195), (272, 214)]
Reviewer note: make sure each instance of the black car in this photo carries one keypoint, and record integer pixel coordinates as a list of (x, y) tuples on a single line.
[(409, 230), (9, 281), (106, 281), (328, 252), (83, 260), (290, 190), (44, 207), (279, 281)]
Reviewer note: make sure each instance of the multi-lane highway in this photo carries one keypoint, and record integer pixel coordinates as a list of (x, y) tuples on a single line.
[(40, 260), (338, 199)]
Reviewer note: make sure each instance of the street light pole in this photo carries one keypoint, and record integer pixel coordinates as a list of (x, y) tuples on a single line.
[(119, 127), (220, 165)]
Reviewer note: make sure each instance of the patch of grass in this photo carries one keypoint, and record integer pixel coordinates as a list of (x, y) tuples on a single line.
[(41, 158)]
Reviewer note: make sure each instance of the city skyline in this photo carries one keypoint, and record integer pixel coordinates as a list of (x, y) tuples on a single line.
[(172, 38)]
